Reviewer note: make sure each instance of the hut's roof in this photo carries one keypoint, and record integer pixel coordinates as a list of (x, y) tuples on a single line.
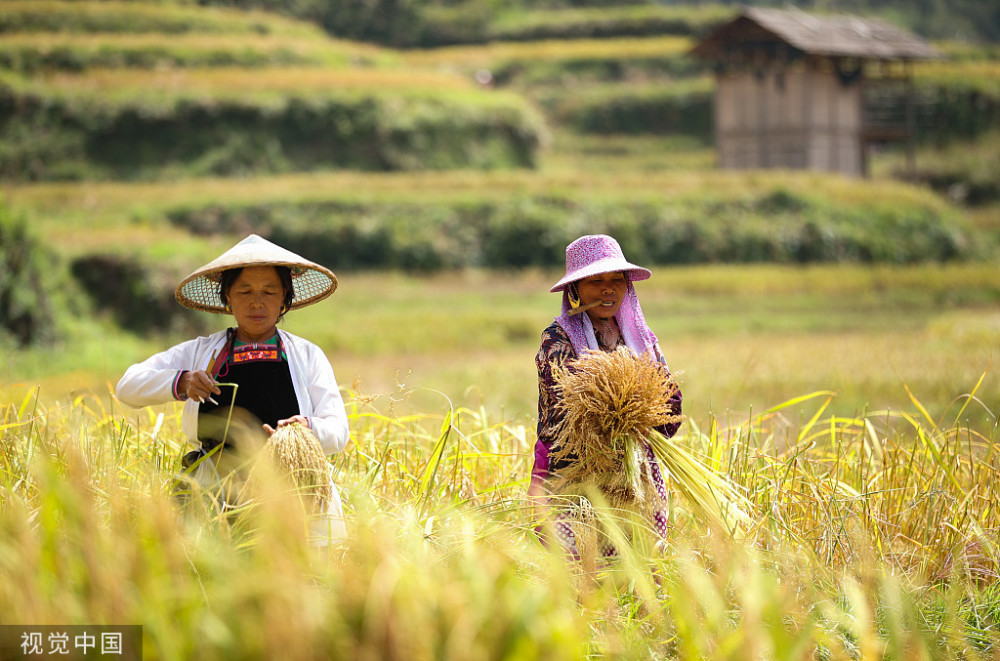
[(843, 36)]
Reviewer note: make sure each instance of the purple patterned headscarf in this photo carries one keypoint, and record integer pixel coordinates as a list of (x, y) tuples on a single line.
[(599, 253)]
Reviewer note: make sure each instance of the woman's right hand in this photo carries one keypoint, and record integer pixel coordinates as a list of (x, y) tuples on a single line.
[(197, 385)]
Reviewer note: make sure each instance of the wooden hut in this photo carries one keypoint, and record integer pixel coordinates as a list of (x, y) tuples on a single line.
[(805, 92)]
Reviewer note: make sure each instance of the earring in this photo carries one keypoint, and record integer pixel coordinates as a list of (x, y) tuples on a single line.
[(229, 308), (573, 296)]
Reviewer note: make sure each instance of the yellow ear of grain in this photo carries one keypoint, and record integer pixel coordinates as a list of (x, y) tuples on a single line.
[(708, 491), (294, 454)]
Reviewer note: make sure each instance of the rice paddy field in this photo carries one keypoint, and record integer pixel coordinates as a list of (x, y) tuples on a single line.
[(854, 407), (740, 338), (872, 536)]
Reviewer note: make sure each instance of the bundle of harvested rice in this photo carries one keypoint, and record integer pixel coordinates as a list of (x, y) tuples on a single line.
[(294, 455), (612, 403)]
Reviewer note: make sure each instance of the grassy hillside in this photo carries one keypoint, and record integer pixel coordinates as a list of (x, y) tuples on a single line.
[(743, 336), (78, 93), (191, 91), (424, 221), (430, 23)]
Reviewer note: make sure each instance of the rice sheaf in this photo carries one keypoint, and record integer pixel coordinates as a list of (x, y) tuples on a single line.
[(612, 404), (294, 455)]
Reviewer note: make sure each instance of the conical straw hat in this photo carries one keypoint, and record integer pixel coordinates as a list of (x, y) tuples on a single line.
[(311, 282)]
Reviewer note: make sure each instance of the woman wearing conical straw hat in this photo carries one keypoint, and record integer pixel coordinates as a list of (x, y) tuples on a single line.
[(600, 312), (280, 379)]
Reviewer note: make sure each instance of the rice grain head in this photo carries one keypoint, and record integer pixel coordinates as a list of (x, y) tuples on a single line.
[(611, 402), (584, 525), (294, 455)]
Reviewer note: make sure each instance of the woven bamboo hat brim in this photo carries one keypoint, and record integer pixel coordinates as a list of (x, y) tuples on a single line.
[(310, 281)]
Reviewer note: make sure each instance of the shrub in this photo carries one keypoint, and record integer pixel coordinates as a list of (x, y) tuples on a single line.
[(532, 230), (390, 22), (26, 312), (138, 298), (603, 22), (660, 108), (111, 16), (574, 71), (62, 133)]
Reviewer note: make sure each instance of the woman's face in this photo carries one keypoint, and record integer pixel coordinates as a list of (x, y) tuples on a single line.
[(608, 288), (256, 298)]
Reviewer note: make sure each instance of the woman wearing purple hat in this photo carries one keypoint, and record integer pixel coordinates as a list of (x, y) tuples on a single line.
[(600, 311)]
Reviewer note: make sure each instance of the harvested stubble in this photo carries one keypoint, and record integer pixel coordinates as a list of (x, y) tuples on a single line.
[(294, 456), (613, 403)]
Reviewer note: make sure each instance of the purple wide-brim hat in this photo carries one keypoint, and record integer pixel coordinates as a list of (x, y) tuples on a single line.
[(593, 254)]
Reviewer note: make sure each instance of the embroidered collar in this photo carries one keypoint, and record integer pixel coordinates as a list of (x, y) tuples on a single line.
[(254, 352)]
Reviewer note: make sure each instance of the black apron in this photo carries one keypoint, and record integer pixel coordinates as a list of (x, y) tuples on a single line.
[(265, 391)]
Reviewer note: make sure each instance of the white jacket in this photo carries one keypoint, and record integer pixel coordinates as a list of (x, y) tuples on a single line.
[(152, 381)]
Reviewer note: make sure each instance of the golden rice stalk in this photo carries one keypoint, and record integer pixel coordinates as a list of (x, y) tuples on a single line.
[(710, 493), (583, 522), (294, 455), (612, 404)]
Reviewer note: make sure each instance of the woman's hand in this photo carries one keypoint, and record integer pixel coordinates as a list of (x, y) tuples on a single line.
[(301, 419), (198, 385)]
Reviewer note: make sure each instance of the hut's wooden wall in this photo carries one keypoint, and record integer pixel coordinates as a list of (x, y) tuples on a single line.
[(794, 118)]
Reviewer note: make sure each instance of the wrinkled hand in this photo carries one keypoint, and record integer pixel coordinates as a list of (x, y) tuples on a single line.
[(198, 386), (301, 419)]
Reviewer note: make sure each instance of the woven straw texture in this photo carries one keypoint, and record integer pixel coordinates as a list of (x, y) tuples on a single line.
[(593, 254), (311, 282)]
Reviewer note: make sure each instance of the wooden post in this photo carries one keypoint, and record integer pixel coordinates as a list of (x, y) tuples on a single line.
[(911, 121), (866, 168)]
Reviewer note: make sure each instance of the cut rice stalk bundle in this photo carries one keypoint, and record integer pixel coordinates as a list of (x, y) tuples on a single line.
[(612, 403), (707, 490), (294, 456)]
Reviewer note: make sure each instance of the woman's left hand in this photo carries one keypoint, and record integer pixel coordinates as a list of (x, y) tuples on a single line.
[(301, 419)]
